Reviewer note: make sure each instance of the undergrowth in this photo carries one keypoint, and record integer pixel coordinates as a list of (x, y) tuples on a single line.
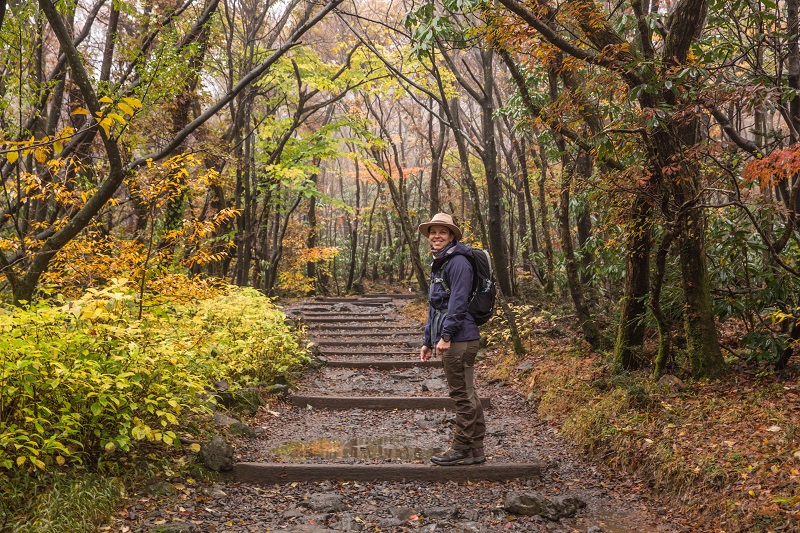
[(86, 384), (727, 452), (67, 504)]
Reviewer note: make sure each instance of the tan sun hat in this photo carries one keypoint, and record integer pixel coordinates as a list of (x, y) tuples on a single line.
[(440, 219)]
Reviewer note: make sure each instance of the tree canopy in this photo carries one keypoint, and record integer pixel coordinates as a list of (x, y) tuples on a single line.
[(639, 158)]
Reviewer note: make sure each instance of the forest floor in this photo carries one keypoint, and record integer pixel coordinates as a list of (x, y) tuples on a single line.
[(724, 454), (537, 415)]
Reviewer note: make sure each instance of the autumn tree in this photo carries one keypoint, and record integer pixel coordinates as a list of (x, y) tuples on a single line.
[(44, 168)]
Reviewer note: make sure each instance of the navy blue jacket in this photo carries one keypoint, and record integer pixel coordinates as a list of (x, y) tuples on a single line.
[(458, 323)]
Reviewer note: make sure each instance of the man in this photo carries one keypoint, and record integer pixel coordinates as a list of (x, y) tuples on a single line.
[(452, 332)]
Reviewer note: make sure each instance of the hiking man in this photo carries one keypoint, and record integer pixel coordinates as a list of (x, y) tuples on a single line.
[(451, 331)]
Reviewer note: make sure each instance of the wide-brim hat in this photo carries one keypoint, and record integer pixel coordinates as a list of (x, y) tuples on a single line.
[(441, 219)]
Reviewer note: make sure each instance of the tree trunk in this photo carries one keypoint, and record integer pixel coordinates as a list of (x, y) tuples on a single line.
[(631, 328), (365, 257), (543, 215), (353, 226), (454, 114), (664, 333), (493, 186), (312, 239), (701, 329), (588, 326)]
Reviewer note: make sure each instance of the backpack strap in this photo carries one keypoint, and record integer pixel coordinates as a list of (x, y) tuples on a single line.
[(442, 279)]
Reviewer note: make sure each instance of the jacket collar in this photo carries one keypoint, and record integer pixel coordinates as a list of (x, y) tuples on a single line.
[(453, 249)]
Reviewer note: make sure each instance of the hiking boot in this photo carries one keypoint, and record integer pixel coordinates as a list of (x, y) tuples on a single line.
[(453, 457), (478, 455)]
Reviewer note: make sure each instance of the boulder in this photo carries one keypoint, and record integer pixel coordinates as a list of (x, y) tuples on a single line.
[(175, 527), (402, 513), (217, 454), (161, 488), (278, 389), (246, 401), (532, 504), (525, 366), (433, 385), (670, 382), (235, 426), (439, 513), (325, 503)]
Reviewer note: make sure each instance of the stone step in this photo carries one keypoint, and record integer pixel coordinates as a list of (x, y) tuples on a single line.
[(274, 473), (378, 402)]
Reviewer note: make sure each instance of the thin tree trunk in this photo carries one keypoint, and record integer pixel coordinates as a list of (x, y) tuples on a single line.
[(664, 334), (631, 329), (543, 215), (588, 326)]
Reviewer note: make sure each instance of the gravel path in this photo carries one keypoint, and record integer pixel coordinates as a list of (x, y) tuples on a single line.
[(297, 434)]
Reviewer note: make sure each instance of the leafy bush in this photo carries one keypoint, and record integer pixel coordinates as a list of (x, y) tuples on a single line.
[(84, 378)]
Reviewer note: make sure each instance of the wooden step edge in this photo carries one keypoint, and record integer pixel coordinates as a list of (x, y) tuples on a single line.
[(350, 353), (276, 473), (344, 320), (383, 364), (359, 332), (355, 300), (337, 314), (393, 295), (378, 402), (388, 328), (387, 342)]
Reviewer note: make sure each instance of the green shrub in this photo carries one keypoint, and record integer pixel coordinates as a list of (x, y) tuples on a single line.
[(87, 378)]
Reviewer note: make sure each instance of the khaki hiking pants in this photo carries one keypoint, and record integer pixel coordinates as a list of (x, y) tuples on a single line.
[(459, 369)]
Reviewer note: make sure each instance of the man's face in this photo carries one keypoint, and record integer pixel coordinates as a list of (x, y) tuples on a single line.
[(439, 237)]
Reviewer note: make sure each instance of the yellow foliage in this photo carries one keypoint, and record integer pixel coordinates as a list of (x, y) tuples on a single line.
[(92, 259), (292, 278), (89, 378)]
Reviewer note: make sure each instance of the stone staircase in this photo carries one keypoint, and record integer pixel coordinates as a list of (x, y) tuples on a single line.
[(370, 374)]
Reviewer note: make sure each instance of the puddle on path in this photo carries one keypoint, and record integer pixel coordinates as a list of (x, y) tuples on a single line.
[(380, 448)]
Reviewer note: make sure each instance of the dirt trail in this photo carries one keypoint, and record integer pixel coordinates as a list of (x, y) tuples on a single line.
[(363, 465)]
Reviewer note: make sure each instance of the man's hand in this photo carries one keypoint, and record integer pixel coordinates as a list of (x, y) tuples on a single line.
[(425, 353), (442, 346)]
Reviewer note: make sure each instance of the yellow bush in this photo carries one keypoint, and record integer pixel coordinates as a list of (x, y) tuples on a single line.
[(88, 377)]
